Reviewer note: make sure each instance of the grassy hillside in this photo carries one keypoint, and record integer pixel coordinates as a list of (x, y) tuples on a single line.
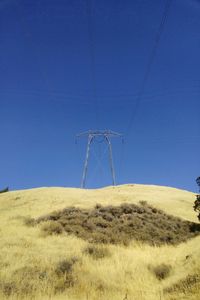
[(34, 265)]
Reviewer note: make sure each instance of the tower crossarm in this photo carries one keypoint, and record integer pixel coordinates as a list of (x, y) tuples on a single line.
[(108, 133)]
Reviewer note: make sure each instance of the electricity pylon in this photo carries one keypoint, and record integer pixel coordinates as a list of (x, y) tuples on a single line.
[(92, 135)]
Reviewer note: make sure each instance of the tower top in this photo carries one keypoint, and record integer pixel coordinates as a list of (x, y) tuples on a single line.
[(93, 133)]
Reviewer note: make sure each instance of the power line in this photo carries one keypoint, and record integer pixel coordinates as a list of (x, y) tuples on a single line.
[(66, 95), (150, 63), (121, 160), (26, 29), (90, 14)]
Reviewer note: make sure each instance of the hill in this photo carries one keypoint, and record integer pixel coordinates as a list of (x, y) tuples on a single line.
[(39, 260)]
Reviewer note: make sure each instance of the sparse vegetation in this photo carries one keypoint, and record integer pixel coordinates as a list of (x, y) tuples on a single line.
[(120, 224), (188, 286)]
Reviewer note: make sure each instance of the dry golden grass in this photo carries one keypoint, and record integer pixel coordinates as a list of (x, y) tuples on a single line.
[(33, 266)]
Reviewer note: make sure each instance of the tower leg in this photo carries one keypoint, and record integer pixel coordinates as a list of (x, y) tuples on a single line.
[(111, 160), (90, 138)]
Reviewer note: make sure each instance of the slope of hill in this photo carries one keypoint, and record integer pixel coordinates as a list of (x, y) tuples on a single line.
[(35, 265)]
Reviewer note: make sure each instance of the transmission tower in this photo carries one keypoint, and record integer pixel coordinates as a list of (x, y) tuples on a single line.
[(92, 136)]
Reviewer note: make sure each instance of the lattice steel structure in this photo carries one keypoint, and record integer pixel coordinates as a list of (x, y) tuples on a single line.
[(92, 135)]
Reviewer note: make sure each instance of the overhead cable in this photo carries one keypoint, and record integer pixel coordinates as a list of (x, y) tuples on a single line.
[(149, 64)]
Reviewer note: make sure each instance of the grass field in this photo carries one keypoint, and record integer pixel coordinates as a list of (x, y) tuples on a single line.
[(62, 266)]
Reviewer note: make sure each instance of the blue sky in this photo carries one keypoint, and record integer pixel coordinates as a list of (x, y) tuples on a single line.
[(70, 66)]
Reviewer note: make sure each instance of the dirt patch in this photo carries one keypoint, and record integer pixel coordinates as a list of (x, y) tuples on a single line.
[(121, 224)]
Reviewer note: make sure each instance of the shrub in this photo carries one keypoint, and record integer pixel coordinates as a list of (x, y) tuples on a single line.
[(108, 217), (161, 271), (28, 221), (65, 266), (64, 272), (126, 208), (197, 205), (100, 222), (143, 203), (120, 224), (52, 227), (98, 206), (97, 252)]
